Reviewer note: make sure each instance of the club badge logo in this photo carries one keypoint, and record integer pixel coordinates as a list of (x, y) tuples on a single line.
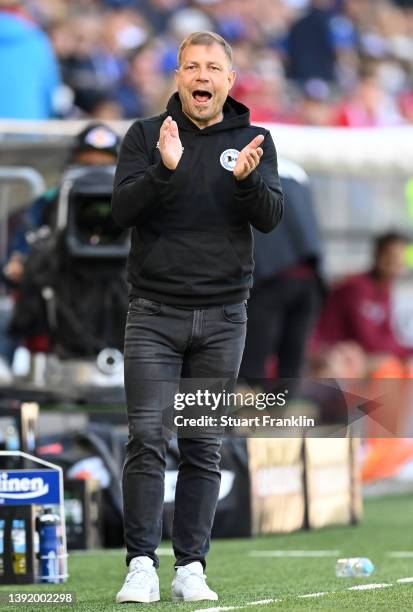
[(228, 159)]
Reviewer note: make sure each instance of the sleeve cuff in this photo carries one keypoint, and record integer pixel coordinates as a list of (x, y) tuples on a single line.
[(161, 172), (251, 181)]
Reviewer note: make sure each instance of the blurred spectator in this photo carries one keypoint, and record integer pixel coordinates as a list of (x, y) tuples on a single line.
[(260, 84), (85, 67), (359, 308), (158, 12), (29, 74), (123, 31), (142, 91), (180, 24), (103, 107), (314, 106), (406, 106), (343, 360), (263, 96), (7, 342), (369, 105), (287, 290), (311, 48)]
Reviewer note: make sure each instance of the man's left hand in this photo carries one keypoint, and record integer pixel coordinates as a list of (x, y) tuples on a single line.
[(249, 158)]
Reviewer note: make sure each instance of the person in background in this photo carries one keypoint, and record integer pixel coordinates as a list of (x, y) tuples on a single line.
[(314, 106), (29, 72), (286, 295), (7, 342), (311, 50), (263, 96), (359, 309), (143, 88), (97, 106), (96, 144), (368, 105), (157, 12), (355, 339)]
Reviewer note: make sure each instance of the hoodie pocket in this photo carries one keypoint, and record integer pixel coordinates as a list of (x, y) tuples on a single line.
[(192, 259)]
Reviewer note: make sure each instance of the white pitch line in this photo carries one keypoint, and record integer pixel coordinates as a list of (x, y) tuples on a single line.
[(294, 553), (263, 602), (217, 609), (367, 587), (401, 554)]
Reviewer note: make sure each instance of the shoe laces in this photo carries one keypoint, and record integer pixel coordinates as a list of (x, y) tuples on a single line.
[(139, 576), (193, 578)]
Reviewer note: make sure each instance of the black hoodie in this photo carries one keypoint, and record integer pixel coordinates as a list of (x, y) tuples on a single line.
[(192, 241)]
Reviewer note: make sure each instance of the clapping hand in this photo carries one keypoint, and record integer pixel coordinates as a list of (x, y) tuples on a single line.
[(249, 158), (169, 144)]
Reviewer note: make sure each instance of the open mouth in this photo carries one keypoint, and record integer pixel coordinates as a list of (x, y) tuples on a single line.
[(201, 96)]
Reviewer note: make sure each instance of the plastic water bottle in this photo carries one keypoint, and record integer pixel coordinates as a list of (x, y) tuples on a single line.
[(12, 438), (18, 538), (49, 546), (355, 567), (2, 523)]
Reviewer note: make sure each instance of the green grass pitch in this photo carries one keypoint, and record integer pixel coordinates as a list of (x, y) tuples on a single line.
[(241, 579)]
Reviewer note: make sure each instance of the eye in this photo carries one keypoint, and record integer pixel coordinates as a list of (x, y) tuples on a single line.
[(215, 68)]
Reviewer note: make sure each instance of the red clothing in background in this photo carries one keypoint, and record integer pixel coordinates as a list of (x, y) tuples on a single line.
[(359, 310)]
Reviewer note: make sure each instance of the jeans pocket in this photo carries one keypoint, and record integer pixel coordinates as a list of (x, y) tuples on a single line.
[(144, 306), (235, 313)]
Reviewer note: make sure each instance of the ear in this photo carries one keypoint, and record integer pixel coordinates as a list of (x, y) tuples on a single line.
[(176, 74), (231, 78)]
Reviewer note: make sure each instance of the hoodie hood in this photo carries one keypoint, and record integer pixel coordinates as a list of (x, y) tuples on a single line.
[(236, 115), (14, 27)]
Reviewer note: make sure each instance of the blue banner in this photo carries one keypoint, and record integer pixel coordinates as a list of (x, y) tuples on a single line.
[(23, 487)]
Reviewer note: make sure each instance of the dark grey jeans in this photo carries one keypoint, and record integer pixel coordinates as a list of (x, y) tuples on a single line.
[(166, 343)]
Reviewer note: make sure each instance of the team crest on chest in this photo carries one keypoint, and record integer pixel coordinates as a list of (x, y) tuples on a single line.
[(228, 159)]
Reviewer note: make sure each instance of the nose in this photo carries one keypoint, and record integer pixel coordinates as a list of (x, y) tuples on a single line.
[(202, 75)]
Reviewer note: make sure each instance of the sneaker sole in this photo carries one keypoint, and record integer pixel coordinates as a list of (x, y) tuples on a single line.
[(136, 599)]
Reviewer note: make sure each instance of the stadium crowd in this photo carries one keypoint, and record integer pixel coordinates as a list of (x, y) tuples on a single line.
[(305, 62)]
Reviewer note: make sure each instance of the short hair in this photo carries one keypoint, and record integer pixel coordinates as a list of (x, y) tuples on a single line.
[(384, 240), (205, 38)]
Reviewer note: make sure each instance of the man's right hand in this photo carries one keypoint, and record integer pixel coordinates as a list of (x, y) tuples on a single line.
[(14, 268), (170, 146)]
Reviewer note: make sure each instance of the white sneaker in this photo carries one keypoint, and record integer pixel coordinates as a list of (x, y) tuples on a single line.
[(190, 584), (141, 583)]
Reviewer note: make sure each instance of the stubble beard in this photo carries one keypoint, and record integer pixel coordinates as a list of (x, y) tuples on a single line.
[(203, 118), (189, 109)]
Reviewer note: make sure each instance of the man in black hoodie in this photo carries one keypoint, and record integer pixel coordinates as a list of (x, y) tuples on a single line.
[(191, 183)]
